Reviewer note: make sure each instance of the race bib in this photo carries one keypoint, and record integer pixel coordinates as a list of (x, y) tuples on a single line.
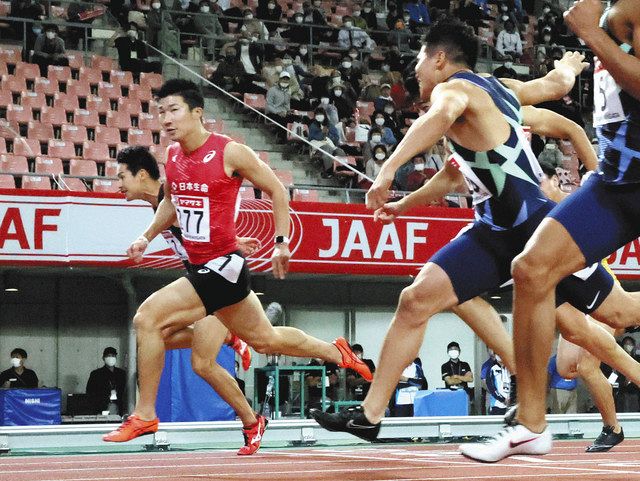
[(193, 216), (229, 266), (607, 107), (175, 244)]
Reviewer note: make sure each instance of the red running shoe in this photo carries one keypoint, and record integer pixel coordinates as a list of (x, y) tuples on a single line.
[(241, 348), (253, 436), (350, 360), (131, 429)]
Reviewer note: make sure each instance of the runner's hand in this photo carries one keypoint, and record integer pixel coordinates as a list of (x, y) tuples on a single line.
[(584, 17), (387, 213), (248, 245), (280, 260), (378, 194), (137, 248), (572, 61)]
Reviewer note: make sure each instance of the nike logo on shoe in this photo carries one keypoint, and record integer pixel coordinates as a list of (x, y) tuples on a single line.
[(513, 445), (351, 424)]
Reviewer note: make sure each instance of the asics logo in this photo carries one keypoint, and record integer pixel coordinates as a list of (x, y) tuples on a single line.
[(351, 424), (519, 443), (203, 271), (256, 438), (209, 156)]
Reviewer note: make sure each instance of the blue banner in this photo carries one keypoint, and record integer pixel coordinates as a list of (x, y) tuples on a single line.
[(184, 396), (30, 407)]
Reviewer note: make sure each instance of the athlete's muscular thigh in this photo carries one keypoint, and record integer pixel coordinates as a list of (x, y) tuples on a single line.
[(173, 307)]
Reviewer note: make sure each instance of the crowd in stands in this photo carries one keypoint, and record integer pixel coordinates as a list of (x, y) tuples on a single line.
[(337, 72)]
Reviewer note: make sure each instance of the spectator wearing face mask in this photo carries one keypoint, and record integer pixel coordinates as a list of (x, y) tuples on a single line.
[(252, 25), (270, 12), (230, 71), (208, 24), (506, 70), (18, 376), (350, 75), (107, 385), (344, 105), (369, 16), (374, 164), (233, 15), (505, 14), (381, 120), (162, 32), (358, 20), (400, 35), (456, 374), (416, 178), (49, 50), (298, 32), (279, 99), (509, 42), (351, 36), (551, 154), (325, 138), (329, 108), (375, 138), (132, 53)]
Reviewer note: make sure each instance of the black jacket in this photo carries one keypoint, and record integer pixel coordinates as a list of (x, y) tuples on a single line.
[(101, 382), (26, 380)]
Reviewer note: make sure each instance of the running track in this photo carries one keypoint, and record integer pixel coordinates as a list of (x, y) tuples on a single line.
[(399, 462)]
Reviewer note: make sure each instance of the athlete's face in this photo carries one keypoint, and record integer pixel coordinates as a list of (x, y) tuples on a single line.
[(549, 185), (130, 185), (427, 71), (176, 118)]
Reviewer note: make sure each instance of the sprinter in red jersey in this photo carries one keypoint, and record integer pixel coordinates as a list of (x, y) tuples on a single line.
[(204, 174)]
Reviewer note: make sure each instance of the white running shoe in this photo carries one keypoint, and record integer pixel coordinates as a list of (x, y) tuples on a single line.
[(511, 440)]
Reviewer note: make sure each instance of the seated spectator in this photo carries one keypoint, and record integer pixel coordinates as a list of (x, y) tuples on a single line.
[(343, 105), (230, 71), (253, 25), (132, 53), (413, 375), (162, 32), (107, 385), (418, 12), (184, 19), (30, 9), (369, 15), (49, 50), (506, 69), (374, 164), (509, 42), (388, 138), (297, 32), (400, 36), (393, 14), (358, 20), (375, 138), (358, 387), (505, 14), (351, 76), (231, 19), (393, 120), (357, 64), (279, 99), (330, 110), (18, 376), (271, 14), (314, 383), (325, 138), (383, 98), (474, 13), (316, 15), (216, 8), (416, 179), (209, 25), (551, 154), (350, 36), (251, 56)]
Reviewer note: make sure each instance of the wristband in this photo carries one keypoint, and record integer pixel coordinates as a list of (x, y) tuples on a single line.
[(281, 239)]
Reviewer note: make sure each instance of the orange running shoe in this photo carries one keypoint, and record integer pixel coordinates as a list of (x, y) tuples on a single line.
[(131, 429), (253, 436), (350, 360), (241, 348)]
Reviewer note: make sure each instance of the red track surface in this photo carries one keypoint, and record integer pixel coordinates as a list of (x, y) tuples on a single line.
[(408, 462)]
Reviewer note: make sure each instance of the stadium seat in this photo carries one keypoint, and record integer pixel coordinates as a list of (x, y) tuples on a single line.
[(110, 168), (49, 165), (83, 168), (76, 134), (29, 71), (138, 92), (53, 115), (36, 182), (95, 151), (237, 137), (3, 146), (264, 156), (7, 181), (86, 118), (305, 195), (121, 78), (149, 122), (159, 153), (19, 114), (13, 164), (4, 69), (45, 86), (285, 176), (104, 64), (59, 73), (98, 104), (5, 98), (39, 131), (132, 107), (8, 129), (302, 130), (247, 192), (68, 102), (105, 186), (109, 91), (76, 59), (79, 88), (107, 135), (73, 184), (10, 54), (213, 125), (140, 137), (119, 120), (33, 100), (91, 75), (152, 81), (257, 101), (62, 149), (27, 147)]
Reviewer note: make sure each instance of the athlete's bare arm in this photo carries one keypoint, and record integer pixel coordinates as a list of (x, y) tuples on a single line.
[(550, 124), (556, 84), (445, 181), (623, 19), (245, 162), (448, 102)]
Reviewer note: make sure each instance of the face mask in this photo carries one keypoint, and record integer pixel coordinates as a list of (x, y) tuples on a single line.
[(248, 17), (320, 118), (508, 64), (419, 166), (628, 348), (324, 100), (278, 68), (379, 121), (132, 34), (505, 18), (550, 146), (376, 139), (504, 8), (346, 64), (366, 9), (284, 85), (348, 24), (386, 68), (337, 93), (271, 6), (454, 354), (388, 110), (546, 10), (37, 30), (255, 39), (547, 39), (317, 4), (155, 6), (356, 13), (380, 156), (299, 19), (286, 62), (406, 18), (303, 51), (204, 9), (51, 35), (353, 55), (15, 361), (110, 361)]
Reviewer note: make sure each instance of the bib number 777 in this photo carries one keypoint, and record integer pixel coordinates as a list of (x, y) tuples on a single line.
[(193, 216)]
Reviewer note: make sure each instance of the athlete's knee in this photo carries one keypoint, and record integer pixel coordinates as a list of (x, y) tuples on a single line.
[(416, 306), (528, 271), (145, 319), (266, 343)]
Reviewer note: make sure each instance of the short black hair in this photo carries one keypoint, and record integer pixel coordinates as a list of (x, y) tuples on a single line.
[(20, 352), (138, 157), (357, 348), (188, 90), (453, 345), (456, 38), (548, 169), (109, 351)]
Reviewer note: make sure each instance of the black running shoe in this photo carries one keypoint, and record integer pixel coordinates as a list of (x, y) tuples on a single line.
[(510, 416), (351, 420), (606, 440)]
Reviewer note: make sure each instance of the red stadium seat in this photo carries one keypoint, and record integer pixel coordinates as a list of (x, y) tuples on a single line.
[(5, 98), (149, 122), (138, 92), (10, 54), (301, 129), (257, 101), (4, 69), (3, 146), (86, 118), (305, 195), (68, 102), (132, 107), (76, 59), (214, 125), (83, 168), (29, 71), (163, 173), (59, 73), (8, 129), (76, 134), (7, 181), (264, 156), (98, 104), (247, 192), (33, 100), (27, 147), (105, 64), (121, 78), (62, 149), (109, 90), (49, 165), (19, 114), (36, 182), (95, 151), (105, 186), (159, 153), (119, 120), (13, 164), (284, 176), (73, 184), (140, 137), (53, 115), (110, 168), (91, 75), (39, 131), (79, 88), (107, 135), (45, 86), (152, 81)]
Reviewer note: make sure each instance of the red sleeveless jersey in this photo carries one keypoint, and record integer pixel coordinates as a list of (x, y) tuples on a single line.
[(205, 199)]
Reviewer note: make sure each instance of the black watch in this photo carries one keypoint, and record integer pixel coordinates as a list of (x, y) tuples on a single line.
[(281, 239)]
